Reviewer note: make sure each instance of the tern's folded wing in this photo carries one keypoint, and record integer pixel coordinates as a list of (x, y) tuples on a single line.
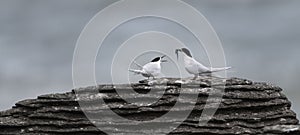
[(137, 71)]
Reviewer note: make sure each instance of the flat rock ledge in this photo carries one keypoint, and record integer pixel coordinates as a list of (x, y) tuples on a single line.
[(246, 107)]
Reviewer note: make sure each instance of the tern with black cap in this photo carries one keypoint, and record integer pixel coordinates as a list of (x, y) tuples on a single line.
[(194, 67), (151, 69)]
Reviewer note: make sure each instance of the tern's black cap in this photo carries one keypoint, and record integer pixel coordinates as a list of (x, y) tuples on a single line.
[(156, 59), (186, 51)]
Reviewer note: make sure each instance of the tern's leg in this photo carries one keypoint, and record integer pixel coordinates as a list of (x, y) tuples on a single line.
[(195, 77)]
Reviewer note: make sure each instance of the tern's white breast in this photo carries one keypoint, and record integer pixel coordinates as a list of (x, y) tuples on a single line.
[(153, 68)]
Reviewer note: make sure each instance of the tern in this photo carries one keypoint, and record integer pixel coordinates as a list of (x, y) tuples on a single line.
[(194, 67), (151, 69)]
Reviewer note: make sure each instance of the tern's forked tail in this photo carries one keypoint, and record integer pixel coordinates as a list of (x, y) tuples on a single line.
[(219, 69)]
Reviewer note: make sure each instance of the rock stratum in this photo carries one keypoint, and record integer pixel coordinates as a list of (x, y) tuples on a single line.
[(246, 107)]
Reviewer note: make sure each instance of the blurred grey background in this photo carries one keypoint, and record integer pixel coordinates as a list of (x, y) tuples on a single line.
[(37, 39)]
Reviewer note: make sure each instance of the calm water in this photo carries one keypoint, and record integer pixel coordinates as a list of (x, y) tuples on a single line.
[(37, 39)]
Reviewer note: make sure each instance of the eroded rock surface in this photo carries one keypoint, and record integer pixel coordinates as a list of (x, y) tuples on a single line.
[(245, 107)]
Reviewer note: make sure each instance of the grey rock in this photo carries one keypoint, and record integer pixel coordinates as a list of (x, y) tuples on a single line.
[(246, 107)]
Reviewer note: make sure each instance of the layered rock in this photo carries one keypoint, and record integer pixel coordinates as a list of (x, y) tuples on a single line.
[(245, 107)]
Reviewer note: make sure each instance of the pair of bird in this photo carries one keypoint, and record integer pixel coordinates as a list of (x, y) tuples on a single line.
[(153, 68)]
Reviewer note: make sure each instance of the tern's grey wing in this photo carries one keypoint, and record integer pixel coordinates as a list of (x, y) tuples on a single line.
[(201, 67), (137, 71)]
